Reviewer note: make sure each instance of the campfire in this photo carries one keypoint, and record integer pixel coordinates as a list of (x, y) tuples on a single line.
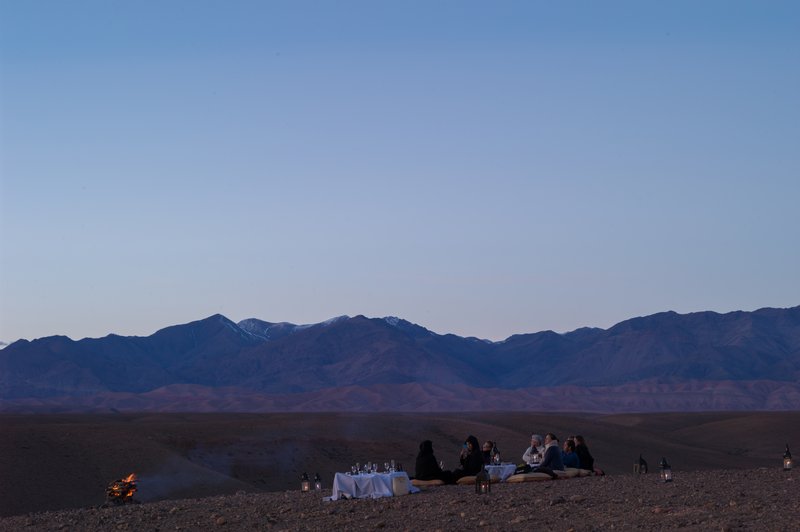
[(122, 490)]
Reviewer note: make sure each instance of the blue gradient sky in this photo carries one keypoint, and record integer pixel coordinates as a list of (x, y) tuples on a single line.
[(480, 168)]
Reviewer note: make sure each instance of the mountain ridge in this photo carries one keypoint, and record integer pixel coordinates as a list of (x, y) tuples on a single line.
[(261, 360)]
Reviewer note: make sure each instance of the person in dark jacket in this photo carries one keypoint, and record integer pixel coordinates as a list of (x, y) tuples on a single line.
[(488, 446), (584, 456), (427, 467), (552, 456), (471, 459)]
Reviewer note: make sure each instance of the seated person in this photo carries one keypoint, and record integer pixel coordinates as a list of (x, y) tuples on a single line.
[(427, 468), (533, 453), (568, 456), (471, 459), (552, 456), (488, 445), (585, 457)]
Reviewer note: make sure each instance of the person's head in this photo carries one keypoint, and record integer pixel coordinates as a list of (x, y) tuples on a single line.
[(426, 447), (579, 440), (487, 446), (472, 443), (549, 438), (536, 440), (569, 446)]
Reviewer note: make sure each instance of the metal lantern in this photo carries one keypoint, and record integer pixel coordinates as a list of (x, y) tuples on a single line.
[(305, 484), (483, 483), (666, 470), (317, 482), (787, 459)]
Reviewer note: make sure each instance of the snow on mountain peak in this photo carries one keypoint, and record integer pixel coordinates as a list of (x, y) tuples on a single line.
[(334, 320)]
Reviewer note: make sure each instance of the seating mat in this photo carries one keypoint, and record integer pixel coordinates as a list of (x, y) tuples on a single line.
[(528, 477), (466, 480)]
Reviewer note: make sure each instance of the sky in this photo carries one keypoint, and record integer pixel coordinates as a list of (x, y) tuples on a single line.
[(479, 168)]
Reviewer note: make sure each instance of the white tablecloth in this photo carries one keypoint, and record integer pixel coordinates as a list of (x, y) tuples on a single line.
[(372, 485), (501, 472)]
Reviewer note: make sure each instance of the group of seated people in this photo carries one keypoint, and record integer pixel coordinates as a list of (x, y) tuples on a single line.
[(544, 455)]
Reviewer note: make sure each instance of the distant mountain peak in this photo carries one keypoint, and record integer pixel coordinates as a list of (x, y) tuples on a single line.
[(272, 331), (392, 320)]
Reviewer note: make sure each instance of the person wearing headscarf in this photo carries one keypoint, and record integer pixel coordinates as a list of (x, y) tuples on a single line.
[(427, 467), (471, 459)]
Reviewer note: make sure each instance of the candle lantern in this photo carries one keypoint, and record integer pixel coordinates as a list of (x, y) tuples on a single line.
[(317, 482), (305, 484), (787, 459), (666, 470), (483, 483), (495, 454)]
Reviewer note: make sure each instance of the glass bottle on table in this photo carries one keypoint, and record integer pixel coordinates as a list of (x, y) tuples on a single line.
[(495, 454)]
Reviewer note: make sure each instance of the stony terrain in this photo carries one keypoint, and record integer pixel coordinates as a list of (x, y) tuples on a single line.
[(53, 463), (755, 499)]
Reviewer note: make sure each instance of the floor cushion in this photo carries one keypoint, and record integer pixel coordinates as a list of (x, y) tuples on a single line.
[(463, 481), (586, 473), (572, 472), (426, 483), (528, 477)]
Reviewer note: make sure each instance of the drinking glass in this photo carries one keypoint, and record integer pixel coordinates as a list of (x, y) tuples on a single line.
[(441, 465), (354, 469), (392, 466), (358, 468), (386, 467)]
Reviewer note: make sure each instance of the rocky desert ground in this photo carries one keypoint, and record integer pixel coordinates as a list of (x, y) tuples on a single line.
[(756, 499), (242, 471)]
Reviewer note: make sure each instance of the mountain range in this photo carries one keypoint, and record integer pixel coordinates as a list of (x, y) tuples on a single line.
[(666, 361)]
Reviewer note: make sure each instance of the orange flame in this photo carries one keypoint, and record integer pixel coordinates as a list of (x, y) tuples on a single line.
[(130, 478)]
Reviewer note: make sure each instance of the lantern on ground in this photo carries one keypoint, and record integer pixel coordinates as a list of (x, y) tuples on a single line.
[(666, 470), (787, 459), (483, 483), (305, 484), (317, 482)]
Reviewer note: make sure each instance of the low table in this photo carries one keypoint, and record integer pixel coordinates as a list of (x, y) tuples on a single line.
[(499, 473), (367, 485)]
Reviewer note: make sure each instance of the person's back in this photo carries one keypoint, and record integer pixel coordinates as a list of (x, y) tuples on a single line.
[(426, 467), (584, 456)]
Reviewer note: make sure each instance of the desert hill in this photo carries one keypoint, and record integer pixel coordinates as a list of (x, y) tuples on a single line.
[(49, 462)]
